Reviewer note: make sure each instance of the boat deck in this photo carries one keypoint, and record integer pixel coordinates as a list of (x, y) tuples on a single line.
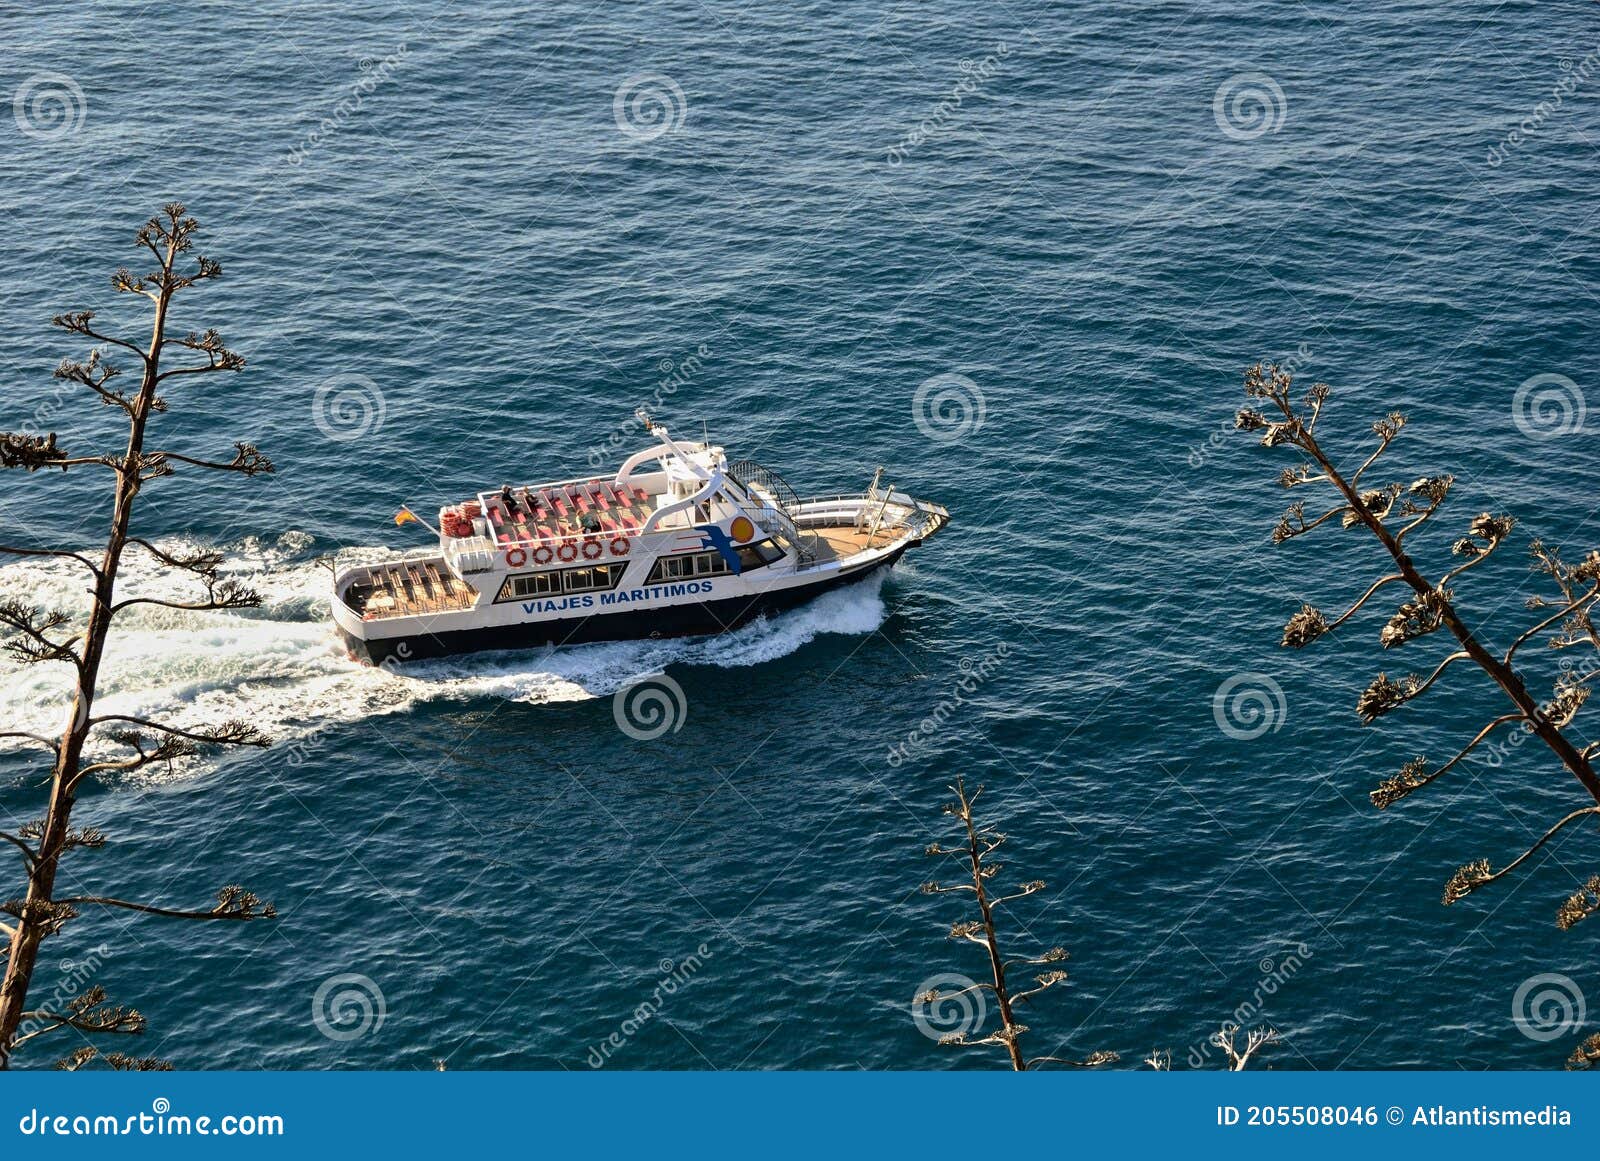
[(409, 588), (838, 542), (524, 515)]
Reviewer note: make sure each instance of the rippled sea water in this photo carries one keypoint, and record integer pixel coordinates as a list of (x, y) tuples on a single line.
[(463, 243)]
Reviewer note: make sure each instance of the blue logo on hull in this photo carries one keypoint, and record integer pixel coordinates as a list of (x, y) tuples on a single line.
[(715, 537)]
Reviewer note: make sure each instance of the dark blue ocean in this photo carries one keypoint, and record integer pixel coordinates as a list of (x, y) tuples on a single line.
[(462, 243)]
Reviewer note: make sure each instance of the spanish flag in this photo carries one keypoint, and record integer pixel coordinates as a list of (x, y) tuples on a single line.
[(406, 516)]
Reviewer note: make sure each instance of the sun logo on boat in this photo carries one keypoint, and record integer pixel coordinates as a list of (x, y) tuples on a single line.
[(741, 529)]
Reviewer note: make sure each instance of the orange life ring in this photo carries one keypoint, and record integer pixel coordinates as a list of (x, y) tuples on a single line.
[(546, 558), (594, 544), (521, 555), (619, 546), (568, 551)]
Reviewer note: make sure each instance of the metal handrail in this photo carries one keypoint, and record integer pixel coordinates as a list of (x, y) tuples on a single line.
[(494, 493), (553, 536)]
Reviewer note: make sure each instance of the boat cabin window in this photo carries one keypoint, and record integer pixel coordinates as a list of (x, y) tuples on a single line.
[(688, 564), (532, 584), (697, 564), (593, 578), (760, 554), (588, 580)]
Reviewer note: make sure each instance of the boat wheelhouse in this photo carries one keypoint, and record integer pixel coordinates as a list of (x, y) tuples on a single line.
[(677, 541)]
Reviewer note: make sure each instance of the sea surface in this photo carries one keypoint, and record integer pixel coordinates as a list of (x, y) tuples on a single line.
[(1018, 254)]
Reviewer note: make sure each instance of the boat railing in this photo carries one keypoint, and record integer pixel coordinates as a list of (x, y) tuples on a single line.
[(777, 523), (421, 552), (854, 507), (879, 510), (560, 537), (494, 493), (840, 498)]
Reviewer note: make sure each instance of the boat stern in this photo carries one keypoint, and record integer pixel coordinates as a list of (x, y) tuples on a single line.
[(391, 608)]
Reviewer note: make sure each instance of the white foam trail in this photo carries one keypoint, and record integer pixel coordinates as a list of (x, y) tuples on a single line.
[(283, 668)]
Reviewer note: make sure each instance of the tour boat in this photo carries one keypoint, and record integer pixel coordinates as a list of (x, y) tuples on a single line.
[(677, 542)]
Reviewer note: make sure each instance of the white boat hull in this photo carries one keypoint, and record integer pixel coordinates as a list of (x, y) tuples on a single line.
[(689, 549)]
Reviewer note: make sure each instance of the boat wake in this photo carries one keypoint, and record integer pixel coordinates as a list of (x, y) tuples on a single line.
[(283, 668)]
